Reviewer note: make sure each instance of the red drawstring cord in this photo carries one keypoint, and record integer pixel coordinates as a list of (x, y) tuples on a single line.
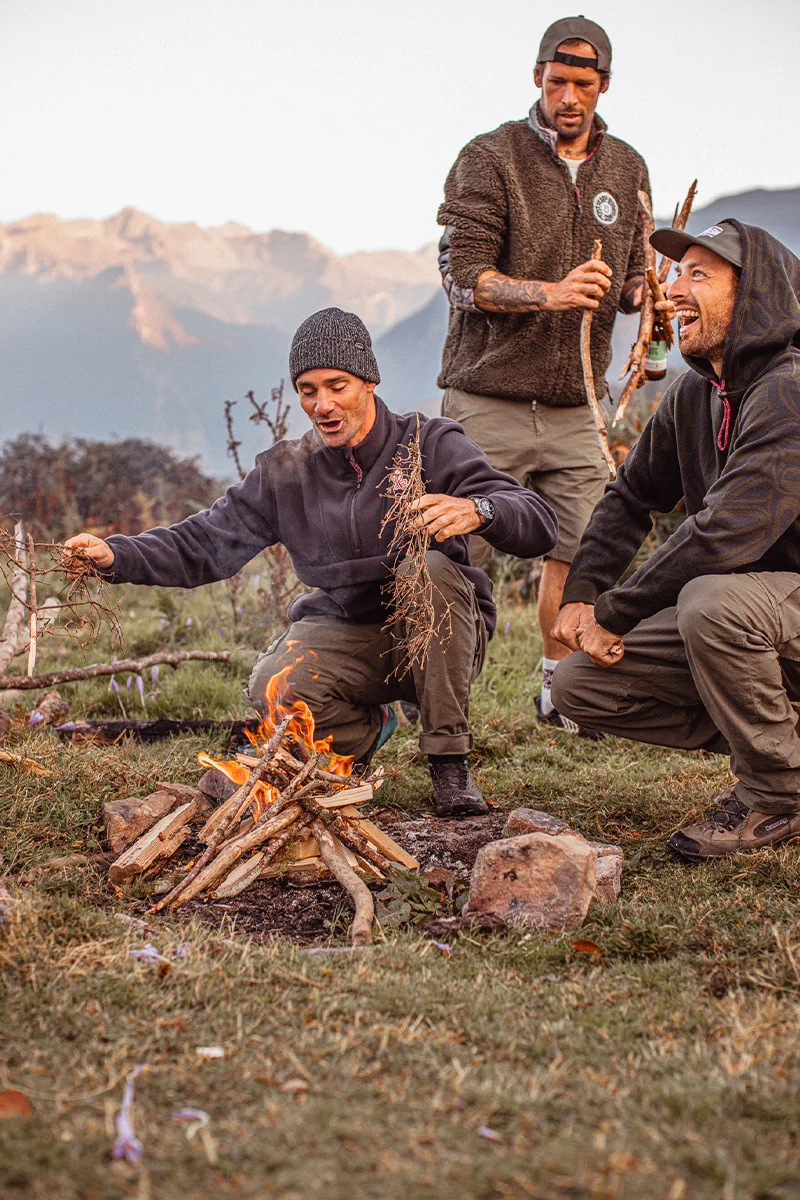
[(725, 428)]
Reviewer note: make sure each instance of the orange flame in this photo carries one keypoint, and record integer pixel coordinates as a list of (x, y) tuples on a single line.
[(301, 730)]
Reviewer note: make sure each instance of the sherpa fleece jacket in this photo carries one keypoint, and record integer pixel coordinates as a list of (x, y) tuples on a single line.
[(510, 205), (325, 505), (729, 447)]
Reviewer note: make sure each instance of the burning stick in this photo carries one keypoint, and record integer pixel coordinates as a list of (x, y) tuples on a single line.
[(588, 379), (412, 589), (239, 804), (334, 858)]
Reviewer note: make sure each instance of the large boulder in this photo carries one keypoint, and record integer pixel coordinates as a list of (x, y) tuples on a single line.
[(535, 879)]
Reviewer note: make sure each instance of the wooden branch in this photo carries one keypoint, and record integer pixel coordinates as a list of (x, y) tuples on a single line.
[(346, 833), (646, 317), (45, 619), (678, 222), (135, 666), (588, 379), (257, 863), (333, 856), (16, 609), (20, 761), (32, 605), (658, 297), (235, 808), (107, 732)]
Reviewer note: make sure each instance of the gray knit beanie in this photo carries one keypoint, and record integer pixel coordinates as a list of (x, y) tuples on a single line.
[(332, 338)]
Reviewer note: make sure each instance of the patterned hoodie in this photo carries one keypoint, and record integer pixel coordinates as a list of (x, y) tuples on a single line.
[(729, 447), (510, 205)]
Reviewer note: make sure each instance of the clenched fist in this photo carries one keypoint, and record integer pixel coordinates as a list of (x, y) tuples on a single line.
[(94, 548)]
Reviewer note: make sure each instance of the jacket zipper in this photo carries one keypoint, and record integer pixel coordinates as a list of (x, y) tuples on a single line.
[(354, 538)]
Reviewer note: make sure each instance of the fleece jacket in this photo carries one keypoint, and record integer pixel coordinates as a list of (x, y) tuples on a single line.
[(510, 205), (729, 447), (327, 505)]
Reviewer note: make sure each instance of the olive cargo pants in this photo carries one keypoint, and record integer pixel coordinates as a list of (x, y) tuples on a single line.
[(344, 671), (717, 672)]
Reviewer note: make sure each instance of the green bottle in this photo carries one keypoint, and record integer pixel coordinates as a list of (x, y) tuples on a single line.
[(655, 365)]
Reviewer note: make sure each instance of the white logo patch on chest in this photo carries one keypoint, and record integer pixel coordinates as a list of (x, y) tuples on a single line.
[(605, 208)]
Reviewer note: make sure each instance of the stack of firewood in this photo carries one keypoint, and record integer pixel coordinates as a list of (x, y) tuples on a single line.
[(289, 815)]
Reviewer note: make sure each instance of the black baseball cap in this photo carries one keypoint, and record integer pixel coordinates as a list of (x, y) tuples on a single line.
[(585, 31), (723, 239)]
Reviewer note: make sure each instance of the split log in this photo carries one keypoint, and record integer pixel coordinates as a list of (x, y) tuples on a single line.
[(243, 798), (588, 379), (16, 608), (107, 732), (232, 887), (334, 858), (159, 842), (638, 355), (381, 840), (133, 666)]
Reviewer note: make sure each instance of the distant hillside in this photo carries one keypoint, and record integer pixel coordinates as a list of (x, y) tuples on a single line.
[(132, 327)]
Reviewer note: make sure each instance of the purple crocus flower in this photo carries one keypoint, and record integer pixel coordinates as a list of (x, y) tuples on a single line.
[(127, 1145), (140, 689), (154, 675), (128, 683), (114, 686), (506, 628), (35, 718)]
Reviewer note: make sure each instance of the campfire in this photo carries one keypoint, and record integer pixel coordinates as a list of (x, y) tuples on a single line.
[(295, 810)]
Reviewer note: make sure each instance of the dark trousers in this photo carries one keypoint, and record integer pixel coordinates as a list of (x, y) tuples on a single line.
[(344, 671), (718, 672)]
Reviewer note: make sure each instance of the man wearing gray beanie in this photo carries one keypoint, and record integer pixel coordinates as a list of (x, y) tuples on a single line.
[(325, 497)]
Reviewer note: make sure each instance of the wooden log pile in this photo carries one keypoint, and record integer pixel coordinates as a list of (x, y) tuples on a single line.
[(289, 815)]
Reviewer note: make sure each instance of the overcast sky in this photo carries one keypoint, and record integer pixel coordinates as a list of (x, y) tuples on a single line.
[(342, 117)]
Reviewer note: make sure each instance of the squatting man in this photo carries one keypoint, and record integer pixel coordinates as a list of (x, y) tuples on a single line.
[(701, 644), (322, 497)]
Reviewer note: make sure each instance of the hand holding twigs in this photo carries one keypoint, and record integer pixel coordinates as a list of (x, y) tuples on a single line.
[(584, 287), (85, 547), (444, 516)]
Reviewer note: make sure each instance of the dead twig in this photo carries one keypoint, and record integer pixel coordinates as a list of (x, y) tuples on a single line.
[(638, 355), (678, 222), (332, 854), (16, 609), (588, 378), (135, 666), (32, 605), (662, 325)]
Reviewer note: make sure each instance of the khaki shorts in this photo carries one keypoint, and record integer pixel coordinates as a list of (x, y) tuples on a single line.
[(552, 451)]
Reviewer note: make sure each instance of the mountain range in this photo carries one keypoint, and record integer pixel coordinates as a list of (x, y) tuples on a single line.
[(131, 326)]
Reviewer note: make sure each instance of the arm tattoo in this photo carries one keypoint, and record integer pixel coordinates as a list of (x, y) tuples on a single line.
[(629, 288), (495, 292)]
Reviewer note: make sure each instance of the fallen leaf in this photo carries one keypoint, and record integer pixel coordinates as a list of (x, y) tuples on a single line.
[(210, 1052), (14, 1104), (585, 947), (294, 1086)]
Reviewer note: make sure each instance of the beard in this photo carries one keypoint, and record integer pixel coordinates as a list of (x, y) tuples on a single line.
[(705, 337), (570, 133)]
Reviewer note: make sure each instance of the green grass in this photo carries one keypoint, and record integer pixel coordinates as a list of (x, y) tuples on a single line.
[(668, 1067)]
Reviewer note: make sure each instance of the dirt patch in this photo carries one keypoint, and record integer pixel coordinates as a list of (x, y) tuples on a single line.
[(306, 914)]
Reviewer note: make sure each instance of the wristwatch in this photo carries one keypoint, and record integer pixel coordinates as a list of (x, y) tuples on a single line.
[(485, 510)]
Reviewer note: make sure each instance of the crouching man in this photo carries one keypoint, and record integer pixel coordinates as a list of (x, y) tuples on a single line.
[(702, 642), (322, 497)]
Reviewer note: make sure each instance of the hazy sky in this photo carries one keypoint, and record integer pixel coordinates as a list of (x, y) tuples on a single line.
[(342, 117)]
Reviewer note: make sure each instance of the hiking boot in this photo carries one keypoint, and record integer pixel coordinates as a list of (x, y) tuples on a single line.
[(409, 712), (454, 790), (730, 828), (558, 721)]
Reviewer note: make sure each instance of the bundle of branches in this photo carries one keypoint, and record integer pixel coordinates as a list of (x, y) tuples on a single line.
[(78, 611), (289, 814), (412, 591), (650, 326)]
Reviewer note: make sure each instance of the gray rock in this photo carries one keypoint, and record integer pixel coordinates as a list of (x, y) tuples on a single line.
[(530, 820), (535, 879), (216, 785)]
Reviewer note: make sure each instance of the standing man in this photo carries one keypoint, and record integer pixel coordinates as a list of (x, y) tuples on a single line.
[(324, 497), (702, 642), (522, 208)]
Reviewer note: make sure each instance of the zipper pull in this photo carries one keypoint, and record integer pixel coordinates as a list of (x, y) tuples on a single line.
[(357, 469)]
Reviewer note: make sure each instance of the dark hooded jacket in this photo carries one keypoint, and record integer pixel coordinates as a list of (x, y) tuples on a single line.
[(742, 491), (327, 506)]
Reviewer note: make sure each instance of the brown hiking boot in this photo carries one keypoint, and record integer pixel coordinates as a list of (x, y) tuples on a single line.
[(454, 790), (732, 827)]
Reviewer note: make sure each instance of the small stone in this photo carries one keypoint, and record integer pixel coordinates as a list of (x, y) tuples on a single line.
[(216, 785), (530, 820), (609, 877), (535, 879), (185, 794), (126, 820)]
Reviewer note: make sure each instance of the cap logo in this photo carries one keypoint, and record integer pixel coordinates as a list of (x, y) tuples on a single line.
[(712, 231), (606, 209)]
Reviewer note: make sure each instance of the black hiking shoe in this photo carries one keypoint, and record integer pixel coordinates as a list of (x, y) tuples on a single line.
[(454, 790), (558, 721), (730, 828)]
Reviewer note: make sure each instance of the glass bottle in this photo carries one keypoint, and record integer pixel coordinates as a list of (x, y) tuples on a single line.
[(655, 365)]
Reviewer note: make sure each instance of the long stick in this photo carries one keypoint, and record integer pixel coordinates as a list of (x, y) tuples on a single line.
[(334, 859), (588, 379), (658, 297), (171, 658), (235, 811), (16, 609), (646, 317), (32, 604), (678, 222)]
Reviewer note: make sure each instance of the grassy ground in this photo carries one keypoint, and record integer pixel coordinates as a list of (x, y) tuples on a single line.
[(664, 1065)]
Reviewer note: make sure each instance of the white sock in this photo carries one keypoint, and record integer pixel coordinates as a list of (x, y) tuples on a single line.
[(548, 667)]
